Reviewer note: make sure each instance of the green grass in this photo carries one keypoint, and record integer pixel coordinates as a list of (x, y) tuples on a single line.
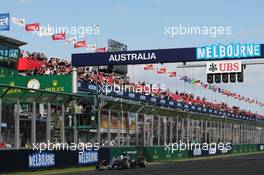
[(52, 171)]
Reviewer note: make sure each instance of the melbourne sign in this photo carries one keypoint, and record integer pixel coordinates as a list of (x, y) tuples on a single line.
[(220, 51), (223, 67), (88, 157), (41, 160)]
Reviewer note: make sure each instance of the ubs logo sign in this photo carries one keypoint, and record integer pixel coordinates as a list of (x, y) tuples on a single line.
[(213, 67), (223, 67)]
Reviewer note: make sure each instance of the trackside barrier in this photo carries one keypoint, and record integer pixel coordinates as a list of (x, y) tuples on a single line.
[(238, 149), (29, 160), (158, 153)]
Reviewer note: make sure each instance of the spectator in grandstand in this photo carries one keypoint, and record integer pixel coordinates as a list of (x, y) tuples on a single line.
[(33, 55)]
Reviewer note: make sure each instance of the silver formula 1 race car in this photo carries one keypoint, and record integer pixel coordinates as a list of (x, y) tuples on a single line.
[(125, 161)]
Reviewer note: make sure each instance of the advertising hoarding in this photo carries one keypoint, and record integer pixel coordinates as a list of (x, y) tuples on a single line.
[(223, 67)]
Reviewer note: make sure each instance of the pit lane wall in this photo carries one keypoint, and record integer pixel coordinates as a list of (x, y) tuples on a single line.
[(158, 153)]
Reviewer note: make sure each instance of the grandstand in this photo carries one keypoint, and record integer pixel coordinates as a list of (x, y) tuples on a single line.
[(48, 100)]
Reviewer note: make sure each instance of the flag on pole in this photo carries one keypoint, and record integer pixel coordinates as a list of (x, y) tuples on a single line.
[(58, 36), (237, 96), (80, 44), (227, 92), (162, 70), (198, 82), (19, 21), (188, 80), (71, 40), (173, 74), (149, 67), (32, 27), (103, 49), (183, 78), (92, 47), (205, 85)]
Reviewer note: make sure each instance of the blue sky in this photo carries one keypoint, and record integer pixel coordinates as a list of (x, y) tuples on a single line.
[(140, 24)]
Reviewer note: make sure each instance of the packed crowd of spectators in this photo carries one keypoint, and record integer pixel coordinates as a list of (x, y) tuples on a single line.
[(34, 55), (52, 66), (102, 78), (56, 66)]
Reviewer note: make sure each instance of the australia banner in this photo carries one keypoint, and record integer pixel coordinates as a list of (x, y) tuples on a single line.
[(4, 22)]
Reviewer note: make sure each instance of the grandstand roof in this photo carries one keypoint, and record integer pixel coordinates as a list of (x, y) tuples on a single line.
[(11, 41)]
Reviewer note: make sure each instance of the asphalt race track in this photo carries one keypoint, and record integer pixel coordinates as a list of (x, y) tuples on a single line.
[(242, 165)]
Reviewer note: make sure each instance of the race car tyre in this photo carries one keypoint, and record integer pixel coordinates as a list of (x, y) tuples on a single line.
[(127, 165), (143, 164)]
